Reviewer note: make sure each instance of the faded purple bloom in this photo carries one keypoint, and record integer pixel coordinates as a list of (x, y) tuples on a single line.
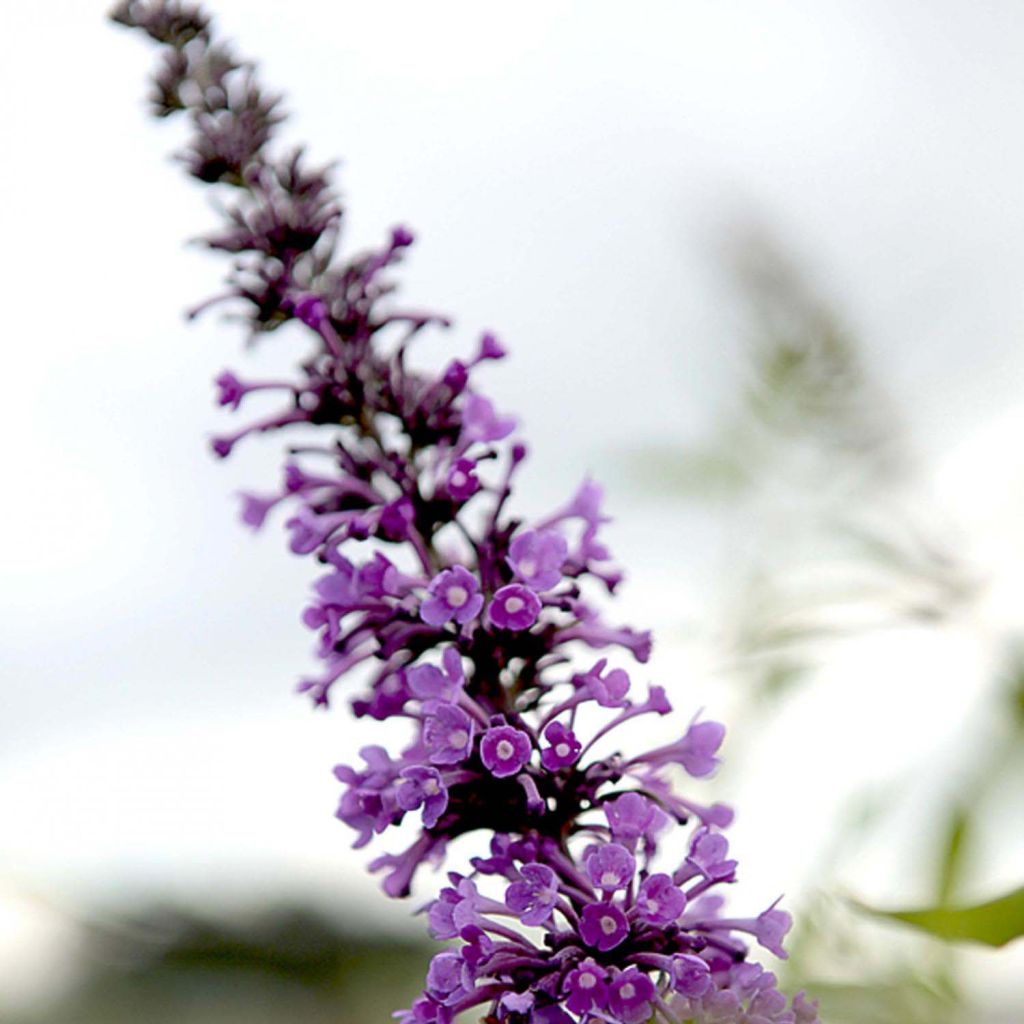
[(610, 867), (609, 689), (603, 926), (453, 594), (691, 976), (805, 1010), (428, 682), (630, 996), (514, 607), (256, 508), (515, 1002), (533, 897), (708, 857), (659, 901), (696, 751), (444, 978), (481, 423), (448, 734), (537, 556), (630, 816), (771, 928), (504, 750), (586, 988), (422, 787), (564, 749)]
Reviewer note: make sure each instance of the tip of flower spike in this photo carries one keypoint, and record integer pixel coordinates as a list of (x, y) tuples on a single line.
[(221, 446), (401, 237)]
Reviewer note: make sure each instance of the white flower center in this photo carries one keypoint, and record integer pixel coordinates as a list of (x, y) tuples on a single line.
[(458, 479), (458, 739), (587, 980), (457, 596), (505, 750), (527, 567), (609, 924), (628, 990), (609, 879), (514, 604), (431, 788), (653, 906), (562, 750)]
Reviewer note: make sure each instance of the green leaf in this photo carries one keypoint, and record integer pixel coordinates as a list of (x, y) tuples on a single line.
[(994, 923), (952, 863)]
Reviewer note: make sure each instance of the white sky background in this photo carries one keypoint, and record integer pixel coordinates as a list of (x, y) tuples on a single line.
[(566, 168)]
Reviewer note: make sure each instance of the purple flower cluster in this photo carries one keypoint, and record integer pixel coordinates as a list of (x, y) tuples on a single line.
[(465, 623)]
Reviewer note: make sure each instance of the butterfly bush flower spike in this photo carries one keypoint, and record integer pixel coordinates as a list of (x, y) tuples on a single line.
[(594, 894)]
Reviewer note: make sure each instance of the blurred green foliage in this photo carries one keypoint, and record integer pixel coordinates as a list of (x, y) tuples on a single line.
[(810, 471), (284, 965)]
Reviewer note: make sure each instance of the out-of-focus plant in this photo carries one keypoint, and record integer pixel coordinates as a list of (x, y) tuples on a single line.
[(170, 965), (831, 541)]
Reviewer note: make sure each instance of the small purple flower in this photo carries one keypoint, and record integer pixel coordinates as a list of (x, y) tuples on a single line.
[(462, 483), (611, 867), (514, 607), (448, 734), (631, 816), (453, 594), (396, 520), (537, 556), (771, 928), (515, 1003), (696, 751), (691, 976), (708, 856), (481, 423), (428, 682), (603, 926), (422, 787), (659, 901), (587, 988), (490, 348), (444, 978), (533, 897), (610, 689), (256, 508), (564, 749), (630, 996), (230, 390), (504, 750), (312, 311)]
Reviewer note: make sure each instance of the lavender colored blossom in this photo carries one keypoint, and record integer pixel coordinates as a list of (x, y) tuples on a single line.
[(610, 867), (453, 594), (468, 627), (603, 926), (587, 988), (514, 607), (422, 787), (448, 734), (563, 748), (659, 901), (537, 557), (504, 750), (630, 996), (533, 897)]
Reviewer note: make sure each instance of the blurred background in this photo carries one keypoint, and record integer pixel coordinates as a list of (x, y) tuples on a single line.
[(759, 267)]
